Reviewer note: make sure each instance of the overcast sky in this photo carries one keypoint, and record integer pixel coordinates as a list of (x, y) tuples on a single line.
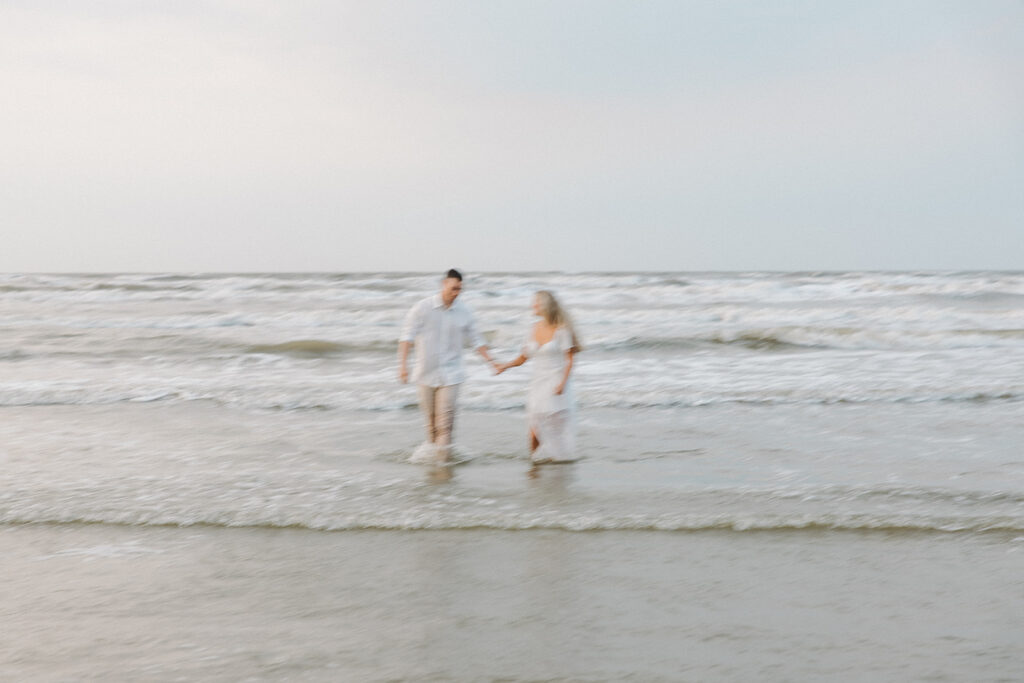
[(242, 135)]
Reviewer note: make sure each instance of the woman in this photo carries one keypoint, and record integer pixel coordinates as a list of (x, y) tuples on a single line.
[(550, 408)]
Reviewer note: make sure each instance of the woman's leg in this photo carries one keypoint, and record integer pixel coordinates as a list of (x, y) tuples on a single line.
[(552, 438), (534, 471), (536, 430)]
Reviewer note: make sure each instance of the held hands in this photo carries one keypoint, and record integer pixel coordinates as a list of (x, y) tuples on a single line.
[(502, 367)]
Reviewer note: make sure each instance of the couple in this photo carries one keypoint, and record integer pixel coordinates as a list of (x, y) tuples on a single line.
[(439, 326)]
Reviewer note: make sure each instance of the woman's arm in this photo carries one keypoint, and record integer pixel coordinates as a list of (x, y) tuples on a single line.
[(502, 367), (570, 355)]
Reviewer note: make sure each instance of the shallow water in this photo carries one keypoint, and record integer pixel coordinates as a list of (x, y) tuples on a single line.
[(850, 466)]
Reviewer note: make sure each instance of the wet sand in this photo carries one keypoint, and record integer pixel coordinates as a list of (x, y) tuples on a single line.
[(106, 602)]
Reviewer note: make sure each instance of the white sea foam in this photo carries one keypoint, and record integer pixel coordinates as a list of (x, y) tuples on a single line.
[(327, 342), (56, 330), (396, 504)]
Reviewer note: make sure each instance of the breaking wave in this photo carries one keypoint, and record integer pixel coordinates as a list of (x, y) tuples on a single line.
[(340, 399), (811, 337), (420, 521), (327, 502), (317, 347)]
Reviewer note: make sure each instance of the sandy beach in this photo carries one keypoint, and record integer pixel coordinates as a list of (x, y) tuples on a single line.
[(165, 604)]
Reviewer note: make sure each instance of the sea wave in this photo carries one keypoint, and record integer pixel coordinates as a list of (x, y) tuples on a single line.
[(321, 398), (820, 337), (329, 500), (233, 336), (319, 347), (589, 289), (419, 521)]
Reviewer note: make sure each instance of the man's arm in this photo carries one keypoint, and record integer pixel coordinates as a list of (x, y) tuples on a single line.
[(410, 328), (485, 354), (477, 341), (403, 361)]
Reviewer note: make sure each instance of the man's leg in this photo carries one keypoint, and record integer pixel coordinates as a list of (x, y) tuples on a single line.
[(444, 416), (428, 401)]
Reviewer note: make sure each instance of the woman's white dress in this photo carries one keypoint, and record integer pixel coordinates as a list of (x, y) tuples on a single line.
[(551, 416)]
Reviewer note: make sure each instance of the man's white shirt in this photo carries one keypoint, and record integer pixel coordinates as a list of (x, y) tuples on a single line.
[(440, 335)]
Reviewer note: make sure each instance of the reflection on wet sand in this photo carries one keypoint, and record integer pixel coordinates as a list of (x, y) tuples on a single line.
[(553, 476), (440, 474)]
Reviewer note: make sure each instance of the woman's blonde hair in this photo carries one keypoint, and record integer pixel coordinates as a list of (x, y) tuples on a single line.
[(552, 311)]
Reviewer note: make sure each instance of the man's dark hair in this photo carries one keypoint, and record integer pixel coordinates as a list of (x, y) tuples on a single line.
[(453, 273)]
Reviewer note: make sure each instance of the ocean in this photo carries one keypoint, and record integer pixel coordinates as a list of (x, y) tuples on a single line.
[(782, 476)]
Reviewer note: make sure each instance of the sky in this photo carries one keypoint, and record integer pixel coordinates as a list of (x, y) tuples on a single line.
[(518, 135)]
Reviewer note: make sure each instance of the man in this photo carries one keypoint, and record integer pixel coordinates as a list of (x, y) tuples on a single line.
[(440, 327)]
